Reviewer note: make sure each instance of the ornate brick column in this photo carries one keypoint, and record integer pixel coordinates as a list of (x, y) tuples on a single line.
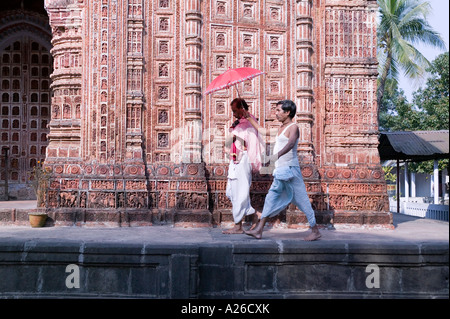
[(134, 84), (64, 149), (64, 137), (307, 119), (192, 139), (304, 76)]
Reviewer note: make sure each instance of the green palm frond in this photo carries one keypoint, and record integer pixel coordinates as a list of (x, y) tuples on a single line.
[(403, 24)]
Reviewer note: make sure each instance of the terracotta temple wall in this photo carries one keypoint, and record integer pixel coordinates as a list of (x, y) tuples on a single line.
[(133, 140)]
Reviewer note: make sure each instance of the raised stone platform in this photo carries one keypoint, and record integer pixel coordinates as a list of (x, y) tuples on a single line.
[(410, 261), (15, 213)]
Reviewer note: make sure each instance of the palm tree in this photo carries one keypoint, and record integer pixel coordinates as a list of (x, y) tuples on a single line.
[(403, 24)]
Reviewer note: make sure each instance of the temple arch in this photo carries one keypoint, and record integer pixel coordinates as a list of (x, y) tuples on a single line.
[(25, 66)]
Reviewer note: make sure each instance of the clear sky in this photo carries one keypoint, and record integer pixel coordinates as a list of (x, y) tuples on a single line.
[(439, 21)]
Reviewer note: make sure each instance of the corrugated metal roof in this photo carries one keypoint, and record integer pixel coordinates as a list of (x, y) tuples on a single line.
[(414, 145)]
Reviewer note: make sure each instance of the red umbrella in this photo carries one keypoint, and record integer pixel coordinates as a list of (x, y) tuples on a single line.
[(232, 77)]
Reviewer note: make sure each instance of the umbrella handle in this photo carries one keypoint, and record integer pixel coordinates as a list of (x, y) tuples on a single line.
[(237, 91)]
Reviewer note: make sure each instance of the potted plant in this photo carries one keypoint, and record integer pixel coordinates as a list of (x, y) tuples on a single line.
[(37, 219), (40, 177)]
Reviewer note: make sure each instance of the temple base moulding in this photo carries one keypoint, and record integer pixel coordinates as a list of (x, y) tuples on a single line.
[(190, 218)]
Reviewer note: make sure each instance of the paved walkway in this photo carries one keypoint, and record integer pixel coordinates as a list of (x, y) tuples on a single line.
[(22, 204), (408, 229)]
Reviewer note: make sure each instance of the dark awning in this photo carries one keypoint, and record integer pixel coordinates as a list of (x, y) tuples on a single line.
[(415, 146)]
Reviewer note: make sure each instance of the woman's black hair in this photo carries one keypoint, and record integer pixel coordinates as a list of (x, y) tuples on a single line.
[(240, 103)]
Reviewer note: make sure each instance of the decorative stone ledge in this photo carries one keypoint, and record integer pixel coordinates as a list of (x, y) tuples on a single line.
[(266, 269)]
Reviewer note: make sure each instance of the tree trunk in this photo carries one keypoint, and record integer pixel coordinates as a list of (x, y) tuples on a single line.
[(381, 87)]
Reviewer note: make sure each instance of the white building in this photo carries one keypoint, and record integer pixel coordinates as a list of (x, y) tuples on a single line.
[(423, 195)]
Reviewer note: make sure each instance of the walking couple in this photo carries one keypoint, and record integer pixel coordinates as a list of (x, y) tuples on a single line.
[(246, 146)]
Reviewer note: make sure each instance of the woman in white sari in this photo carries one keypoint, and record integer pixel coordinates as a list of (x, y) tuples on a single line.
[(246, 150)]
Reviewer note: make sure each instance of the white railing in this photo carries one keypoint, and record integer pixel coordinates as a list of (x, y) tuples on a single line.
[(423, 210)]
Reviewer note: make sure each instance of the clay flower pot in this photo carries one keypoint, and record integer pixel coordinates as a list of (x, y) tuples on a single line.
[(37, 219)]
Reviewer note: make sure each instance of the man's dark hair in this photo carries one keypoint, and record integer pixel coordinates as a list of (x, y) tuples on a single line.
[(240, 103), (288, 106)]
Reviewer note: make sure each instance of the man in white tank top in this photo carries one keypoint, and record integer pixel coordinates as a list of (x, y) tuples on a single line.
[(287, 186)]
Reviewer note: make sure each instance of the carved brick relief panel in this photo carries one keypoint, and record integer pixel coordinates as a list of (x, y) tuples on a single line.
[(350, 33), (275, 12), (222, 10), (101, 141), (249, 11), (249, 56), (350, 84), (350, 112), (257, 39), (160, 82)]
